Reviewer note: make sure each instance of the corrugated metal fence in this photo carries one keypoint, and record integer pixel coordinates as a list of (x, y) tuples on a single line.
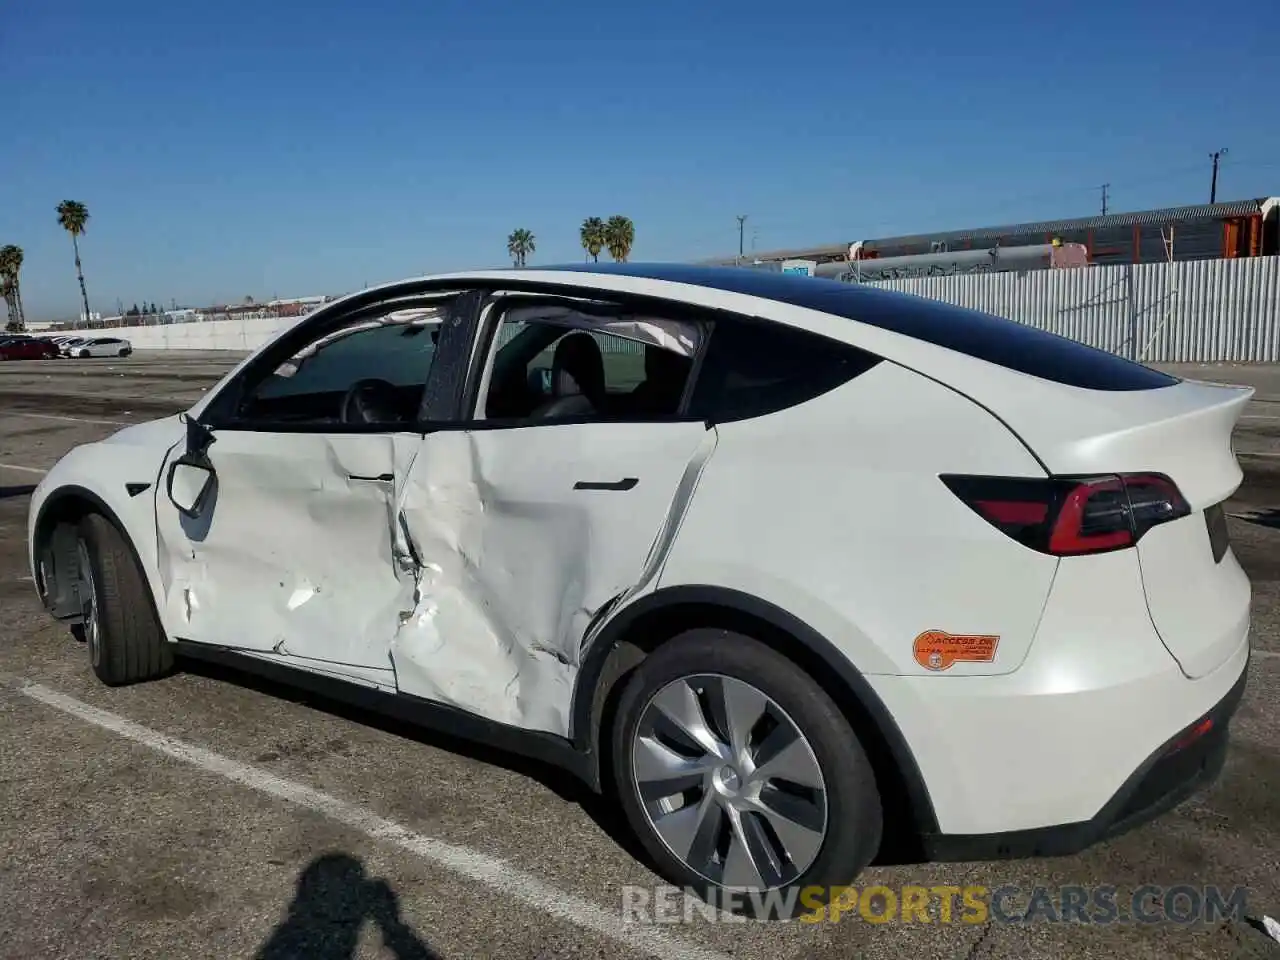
[(1203, 311), (608, 342)]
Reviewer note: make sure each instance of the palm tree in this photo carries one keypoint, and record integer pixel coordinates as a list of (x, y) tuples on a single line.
[(6, 290), (73, 216), (10, 286), (520, 244), (593, 236), (619, 237)]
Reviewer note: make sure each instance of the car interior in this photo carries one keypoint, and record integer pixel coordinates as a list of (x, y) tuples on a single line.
[(557, 366), (581, 379)]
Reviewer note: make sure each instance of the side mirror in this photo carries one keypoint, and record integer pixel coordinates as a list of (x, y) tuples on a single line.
[(191, 480), (199, 437), (540, 381)]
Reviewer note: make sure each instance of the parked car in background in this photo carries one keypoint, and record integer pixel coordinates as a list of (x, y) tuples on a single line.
[(67, 343), (26, 348), (97, 347)]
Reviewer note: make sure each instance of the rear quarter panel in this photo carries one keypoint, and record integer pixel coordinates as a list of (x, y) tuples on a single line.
[(833, 510)]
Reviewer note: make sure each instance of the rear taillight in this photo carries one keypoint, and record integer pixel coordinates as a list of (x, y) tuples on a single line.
[(1071, 516)]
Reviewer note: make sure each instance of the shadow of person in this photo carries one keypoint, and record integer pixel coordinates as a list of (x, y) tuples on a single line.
[(333, 901)]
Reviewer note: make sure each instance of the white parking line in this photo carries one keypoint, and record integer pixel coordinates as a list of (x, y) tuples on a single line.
[(472, 864), (14, 466), (116, 423)]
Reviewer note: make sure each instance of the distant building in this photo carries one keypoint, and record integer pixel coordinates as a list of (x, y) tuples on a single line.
[(1243, 228), (296, 306)]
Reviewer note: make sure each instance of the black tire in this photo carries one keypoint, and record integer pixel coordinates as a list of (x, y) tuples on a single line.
[(131, 645), (855, 820)]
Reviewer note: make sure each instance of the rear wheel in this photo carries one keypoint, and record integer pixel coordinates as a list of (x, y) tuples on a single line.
[(121, 630), (741, 778), (84, 354)]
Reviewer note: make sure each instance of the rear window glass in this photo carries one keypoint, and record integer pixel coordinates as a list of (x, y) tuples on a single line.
[(980, 335), (754, 368)]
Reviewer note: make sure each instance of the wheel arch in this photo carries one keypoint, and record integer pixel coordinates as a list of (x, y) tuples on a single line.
[(656, 618), (54, 552)]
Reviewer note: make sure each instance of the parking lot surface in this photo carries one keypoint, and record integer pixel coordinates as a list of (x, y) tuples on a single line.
[(213, 815)]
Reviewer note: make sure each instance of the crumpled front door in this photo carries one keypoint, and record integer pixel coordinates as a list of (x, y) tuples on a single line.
[(293, 552)]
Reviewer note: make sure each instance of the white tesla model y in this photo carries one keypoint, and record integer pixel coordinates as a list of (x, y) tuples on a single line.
[(782, 564)]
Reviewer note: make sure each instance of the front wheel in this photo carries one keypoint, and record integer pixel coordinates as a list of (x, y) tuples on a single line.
[(741, 778), (125, 640), (84, 354)]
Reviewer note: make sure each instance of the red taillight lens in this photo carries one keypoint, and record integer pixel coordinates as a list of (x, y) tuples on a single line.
[(1069, 516)]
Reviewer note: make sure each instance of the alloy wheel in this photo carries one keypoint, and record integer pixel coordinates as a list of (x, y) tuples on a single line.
[(89, 605), (729, 782)]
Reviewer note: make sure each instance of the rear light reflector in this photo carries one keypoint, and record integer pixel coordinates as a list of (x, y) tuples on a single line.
[(1069, 516), (1193, 734)]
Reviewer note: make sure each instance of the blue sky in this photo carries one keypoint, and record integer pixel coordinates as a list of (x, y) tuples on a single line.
[(283, 147)]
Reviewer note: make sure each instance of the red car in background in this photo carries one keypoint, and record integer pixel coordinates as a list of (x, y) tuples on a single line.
[(26, 348)]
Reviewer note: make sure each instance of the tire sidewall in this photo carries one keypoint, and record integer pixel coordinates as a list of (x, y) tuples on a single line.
[(89, 534), (854, 814)]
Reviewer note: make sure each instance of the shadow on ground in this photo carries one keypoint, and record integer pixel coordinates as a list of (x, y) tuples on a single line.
[(20, 491), (604, 810), (1268, 517), (334, 900)]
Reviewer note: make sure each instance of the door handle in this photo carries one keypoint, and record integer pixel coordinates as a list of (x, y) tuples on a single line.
[(380, 478), (625, 484)]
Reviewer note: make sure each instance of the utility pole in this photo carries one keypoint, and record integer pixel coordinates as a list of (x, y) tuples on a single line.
[(1105, 188), (1213, 186), (742, 220)]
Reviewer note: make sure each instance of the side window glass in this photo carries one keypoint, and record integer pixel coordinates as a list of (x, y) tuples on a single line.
[(756, 367), (372, 371), (547, 369)]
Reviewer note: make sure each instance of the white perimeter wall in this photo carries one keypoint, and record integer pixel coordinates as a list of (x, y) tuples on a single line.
[(1205, 311), (211, 335)]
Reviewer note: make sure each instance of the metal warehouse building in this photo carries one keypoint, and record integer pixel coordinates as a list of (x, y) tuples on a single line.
[(1242, 228)]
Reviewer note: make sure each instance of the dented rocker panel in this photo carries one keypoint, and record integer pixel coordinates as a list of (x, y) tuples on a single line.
[(455, 723)]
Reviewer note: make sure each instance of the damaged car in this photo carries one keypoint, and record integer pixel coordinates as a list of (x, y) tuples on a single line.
[(791, 569)]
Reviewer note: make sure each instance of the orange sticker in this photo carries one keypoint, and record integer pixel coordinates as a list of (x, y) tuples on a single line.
[(937, 650)]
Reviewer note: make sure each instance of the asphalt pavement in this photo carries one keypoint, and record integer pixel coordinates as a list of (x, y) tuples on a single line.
[(213, 815)]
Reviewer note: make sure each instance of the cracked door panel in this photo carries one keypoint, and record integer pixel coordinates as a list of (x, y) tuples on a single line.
[(529, 525), (298, 550)]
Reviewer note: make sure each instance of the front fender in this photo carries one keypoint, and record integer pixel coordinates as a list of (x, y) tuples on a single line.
[(118, 477)]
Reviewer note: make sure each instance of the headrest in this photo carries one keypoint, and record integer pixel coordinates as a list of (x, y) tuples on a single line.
[(578, 367)]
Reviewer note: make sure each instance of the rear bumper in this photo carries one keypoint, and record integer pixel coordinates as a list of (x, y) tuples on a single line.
[(1183, 765)]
